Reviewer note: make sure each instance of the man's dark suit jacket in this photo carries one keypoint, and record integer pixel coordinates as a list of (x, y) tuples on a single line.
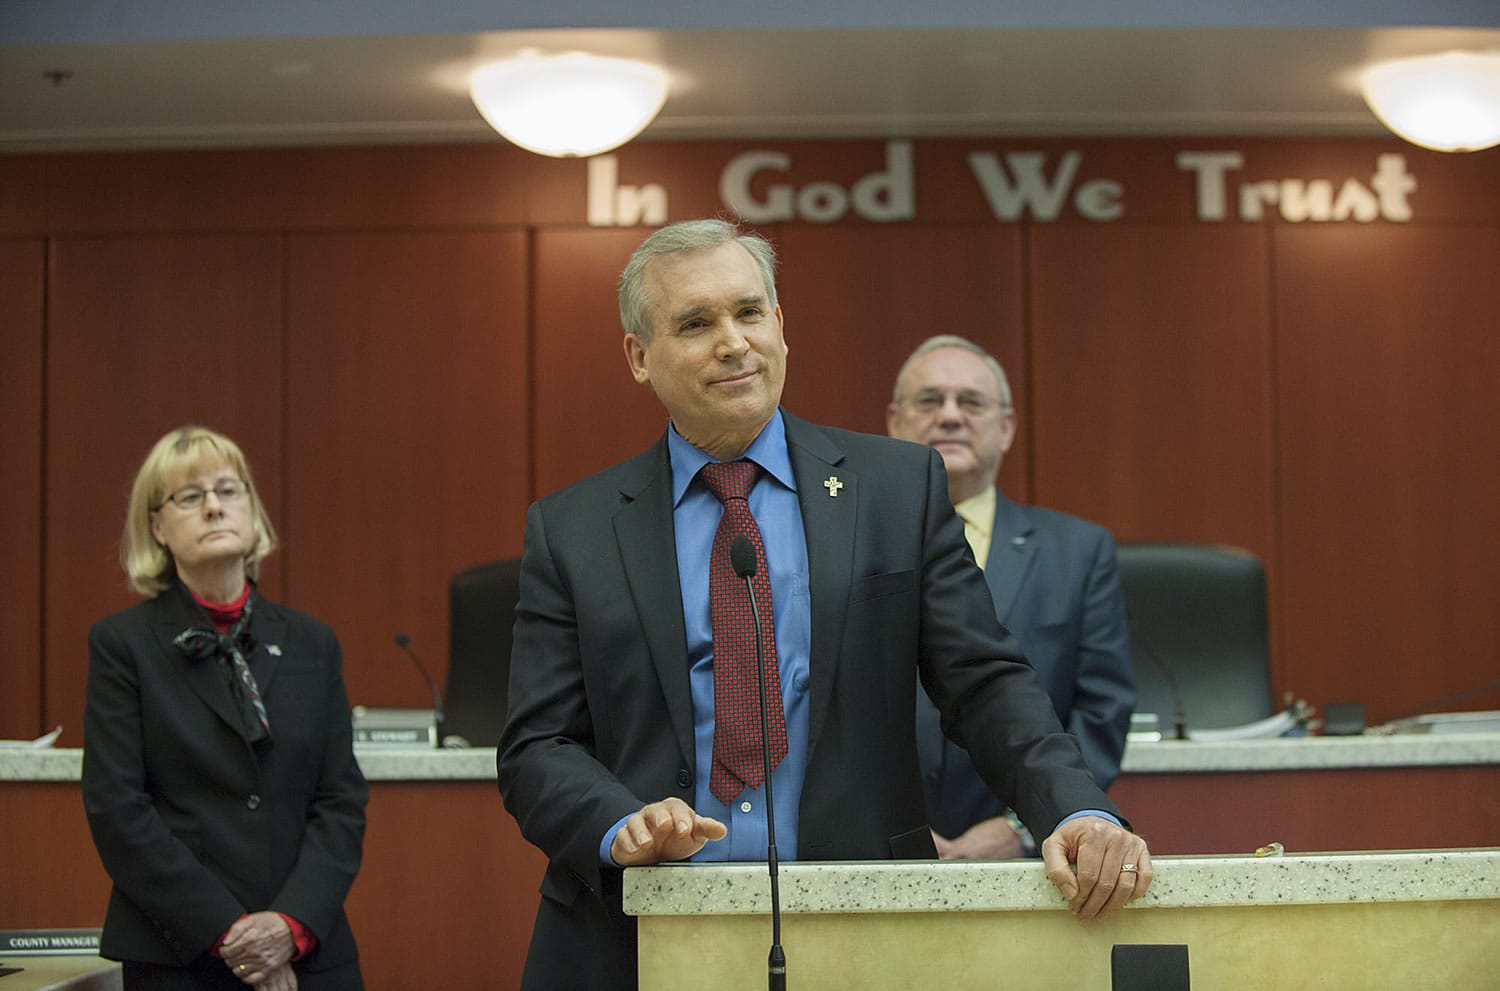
[(1057, 590), (601, 720), (195, 827)]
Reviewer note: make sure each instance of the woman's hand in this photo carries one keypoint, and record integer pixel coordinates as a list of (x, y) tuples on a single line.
[(257, 946)]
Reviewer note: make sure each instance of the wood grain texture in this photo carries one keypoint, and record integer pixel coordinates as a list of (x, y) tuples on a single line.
[(406, 437), (145, 335), (1390, 474), (1398, 808), (859, 300), (22, 336)]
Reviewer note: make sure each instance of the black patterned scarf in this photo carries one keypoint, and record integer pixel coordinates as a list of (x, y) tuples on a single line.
[(232, 647)]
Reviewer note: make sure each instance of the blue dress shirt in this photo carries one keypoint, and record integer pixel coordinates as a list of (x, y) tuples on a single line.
[(695, 515), (695, 518)]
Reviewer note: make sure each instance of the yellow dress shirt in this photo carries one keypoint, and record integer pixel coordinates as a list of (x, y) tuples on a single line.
[(978, 514)]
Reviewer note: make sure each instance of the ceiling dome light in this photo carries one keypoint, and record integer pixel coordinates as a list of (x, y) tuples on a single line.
[(1448, 102), (570, 105)]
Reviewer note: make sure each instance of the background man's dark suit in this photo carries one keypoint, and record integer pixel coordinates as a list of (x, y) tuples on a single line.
[(194, 826), (601, 721), (1056, 588)]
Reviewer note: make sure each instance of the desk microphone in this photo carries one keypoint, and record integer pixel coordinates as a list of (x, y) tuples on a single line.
[(742, 559), (1179, 720), (404, 642)]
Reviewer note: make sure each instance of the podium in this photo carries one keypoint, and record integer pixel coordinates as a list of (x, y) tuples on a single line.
[(1359, 920)]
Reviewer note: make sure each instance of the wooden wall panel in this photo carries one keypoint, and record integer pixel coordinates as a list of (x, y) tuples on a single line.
[(406, 433), (1153, 376), (589, 412), (448, 889), (21, 335), (407, 365), (144, 335), (1390, 475), (54, 879), (858, 300), (495, 183), (1367, 808), (1152, 380), (271, 189)]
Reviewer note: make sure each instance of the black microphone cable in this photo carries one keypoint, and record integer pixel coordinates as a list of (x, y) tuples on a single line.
[(1141, 648)]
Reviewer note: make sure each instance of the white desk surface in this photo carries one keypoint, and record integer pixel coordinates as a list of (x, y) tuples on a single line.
[(1164, 757), (60, 973)]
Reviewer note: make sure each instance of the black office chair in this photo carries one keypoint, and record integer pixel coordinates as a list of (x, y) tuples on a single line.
[(482, 602), (1198, 633)]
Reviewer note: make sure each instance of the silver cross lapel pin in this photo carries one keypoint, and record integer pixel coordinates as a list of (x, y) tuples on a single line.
[(832, 484)]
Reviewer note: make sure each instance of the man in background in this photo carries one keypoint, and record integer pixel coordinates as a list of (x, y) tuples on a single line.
[(1054, 584)]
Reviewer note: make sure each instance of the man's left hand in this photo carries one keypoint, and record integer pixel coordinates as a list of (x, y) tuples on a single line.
[(1114, 866), (988, 839)]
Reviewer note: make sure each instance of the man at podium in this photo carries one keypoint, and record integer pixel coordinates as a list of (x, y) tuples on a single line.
[(633, 667)]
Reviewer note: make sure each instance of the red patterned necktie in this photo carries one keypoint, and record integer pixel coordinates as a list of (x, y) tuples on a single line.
[(737, 758)]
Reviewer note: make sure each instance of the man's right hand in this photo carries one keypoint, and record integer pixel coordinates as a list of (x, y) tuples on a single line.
[(662, 831)]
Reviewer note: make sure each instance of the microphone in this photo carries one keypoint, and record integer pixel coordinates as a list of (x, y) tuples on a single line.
[(742, 560), (404, 642), (1179, 720)]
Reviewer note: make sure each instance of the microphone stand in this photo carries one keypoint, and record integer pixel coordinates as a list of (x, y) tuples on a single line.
[(1179, 720), (404, 642), (776, 961)]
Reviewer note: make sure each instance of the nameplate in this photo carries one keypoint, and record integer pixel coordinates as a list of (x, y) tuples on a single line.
[(403, 728), (393, 736), (48, 942)]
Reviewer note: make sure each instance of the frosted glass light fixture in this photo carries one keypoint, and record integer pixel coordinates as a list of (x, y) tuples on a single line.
[(1447, 102), (568, 105)]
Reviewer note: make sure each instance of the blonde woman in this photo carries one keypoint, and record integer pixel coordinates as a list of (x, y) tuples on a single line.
[(218, 773)]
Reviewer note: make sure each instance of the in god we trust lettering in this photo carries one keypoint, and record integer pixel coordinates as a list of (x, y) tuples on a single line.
[(1018, 185), (1298, 200)]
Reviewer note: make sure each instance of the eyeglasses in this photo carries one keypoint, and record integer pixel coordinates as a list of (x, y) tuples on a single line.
[(929, 402), (189, 498)]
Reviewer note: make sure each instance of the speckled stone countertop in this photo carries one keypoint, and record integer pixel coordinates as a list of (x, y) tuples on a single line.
[(1166, 757), (1312, 752), (417, 764), (473, 764), (967, 886)]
